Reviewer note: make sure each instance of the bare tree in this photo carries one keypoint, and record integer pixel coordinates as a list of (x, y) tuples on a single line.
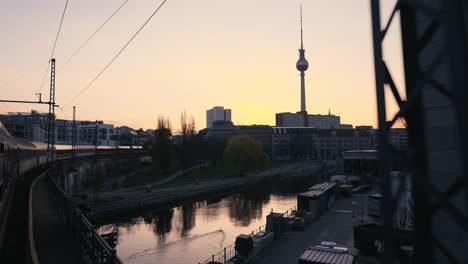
[(184, 125), (191, 127), (164, 122), (187, 126)]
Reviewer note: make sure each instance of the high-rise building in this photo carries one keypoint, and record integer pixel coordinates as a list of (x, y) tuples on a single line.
[(217, 113)]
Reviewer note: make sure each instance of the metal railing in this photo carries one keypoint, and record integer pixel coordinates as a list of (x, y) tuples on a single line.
[(222, 256), (228, 252), (93, 247)]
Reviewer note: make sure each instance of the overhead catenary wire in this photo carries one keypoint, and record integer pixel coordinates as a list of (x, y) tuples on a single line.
[(116, 56), (84, 43), (92, 36), (55, 45)]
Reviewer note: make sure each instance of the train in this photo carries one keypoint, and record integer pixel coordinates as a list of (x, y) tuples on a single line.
[(18, 156)]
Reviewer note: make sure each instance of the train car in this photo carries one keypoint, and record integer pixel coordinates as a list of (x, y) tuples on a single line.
[(41, 149), (27, 155), (8, 176)]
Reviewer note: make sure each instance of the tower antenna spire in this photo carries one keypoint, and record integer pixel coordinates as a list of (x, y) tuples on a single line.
[(302, 46), (302, 65)]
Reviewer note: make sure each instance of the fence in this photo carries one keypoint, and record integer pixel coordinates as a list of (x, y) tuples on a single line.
[(228, 252), (290, 210), (223, 256), (94, 249)]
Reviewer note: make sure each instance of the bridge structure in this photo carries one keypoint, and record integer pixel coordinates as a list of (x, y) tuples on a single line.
[(434, 36), (43, 225)]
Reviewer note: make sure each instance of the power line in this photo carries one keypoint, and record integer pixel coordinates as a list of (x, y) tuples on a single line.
[(58, 32), (55, 45), (92, 36), (117, 55), (83, 45)]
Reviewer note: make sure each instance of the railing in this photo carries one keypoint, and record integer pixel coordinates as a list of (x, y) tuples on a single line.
[(228, 252), (94, 248), (223, 256), (290, 210)]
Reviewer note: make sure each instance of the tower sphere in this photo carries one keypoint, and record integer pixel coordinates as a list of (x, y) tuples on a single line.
[(302, 64)]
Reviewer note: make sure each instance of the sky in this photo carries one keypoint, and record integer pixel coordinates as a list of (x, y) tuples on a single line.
[(194, 55)]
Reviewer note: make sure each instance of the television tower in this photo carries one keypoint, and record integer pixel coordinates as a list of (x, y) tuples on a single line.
[(302, 65)]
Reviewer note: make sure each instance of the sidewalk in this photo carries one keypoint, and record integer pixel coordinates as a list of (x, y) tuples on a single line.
[(336, 225), (52, 241)]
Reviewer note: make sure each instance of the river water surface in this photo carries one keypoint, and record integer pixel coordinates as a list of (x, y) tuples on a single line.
[(191, 232)]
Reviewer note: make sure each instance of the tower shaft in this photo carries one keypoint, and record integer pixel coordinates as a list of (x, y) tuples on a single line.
[(303, 102)]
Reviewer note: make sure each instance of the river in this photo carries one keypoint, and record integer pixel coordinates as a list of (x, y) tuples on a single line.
[(191, 232)]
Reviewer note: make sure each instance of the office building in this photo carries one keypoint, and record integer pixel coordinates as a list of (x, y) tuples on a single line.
[(217, 113), (33, 127), (301, 119), (30, 126), (313, 143), (291, 119), (324, 121)]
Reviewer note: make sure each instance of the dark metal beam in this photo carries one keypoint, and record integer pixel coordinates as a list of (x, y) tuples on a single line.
[(389, 255), (26, 102), (423, 252)]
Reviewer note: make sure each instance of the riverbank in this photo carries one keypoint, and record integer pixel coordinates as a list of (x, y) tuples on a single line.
[(111, 203)]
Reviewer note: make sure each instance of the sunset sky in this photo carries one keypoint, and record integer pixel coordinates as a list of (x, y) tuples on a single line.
[(194, 55)]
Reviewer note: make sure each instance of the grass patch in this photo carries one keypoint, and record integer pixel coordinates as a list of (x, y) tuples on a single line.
[(146, 175), (210, 172)]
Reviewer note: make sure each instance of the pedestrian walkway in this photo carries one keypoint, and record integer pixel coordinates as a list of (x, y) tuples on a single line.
[(335, 225), (52, 240)]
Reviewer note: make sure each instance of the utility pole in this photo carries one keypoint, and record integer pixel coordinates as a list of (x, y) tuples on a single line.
[(51, 124), (74, 131)]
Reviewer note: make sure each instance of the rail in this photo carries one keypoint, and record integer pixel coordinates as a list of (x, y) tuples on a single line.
[(290, 210), (222, 256), (94, 249), (228, 252)]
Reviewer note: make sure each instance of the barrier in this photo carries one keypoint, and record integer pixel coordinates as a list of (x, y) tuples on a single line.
[(94, 249)]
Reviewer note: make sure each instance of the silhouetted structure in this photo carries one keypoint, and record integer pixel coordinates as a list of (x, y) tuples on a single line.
[(434, 43)]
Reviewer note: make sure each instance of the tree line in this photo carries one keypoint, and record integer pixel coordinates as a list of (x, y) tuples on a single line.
[(239, 152)]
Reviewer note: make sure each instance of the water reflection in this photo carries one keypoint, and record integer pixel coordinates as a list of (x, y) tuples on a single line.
[(193, 231), (246, 207), (188, 218)]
